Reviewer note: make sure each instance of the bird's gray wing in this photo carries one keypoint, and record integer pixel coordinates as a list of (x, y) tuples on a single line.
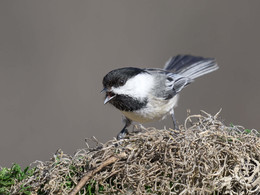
[(156, 71), (168, 84)]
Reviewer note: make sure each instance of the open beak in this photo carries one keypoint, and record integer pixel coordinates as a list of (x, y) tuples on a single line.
[(109, 95)]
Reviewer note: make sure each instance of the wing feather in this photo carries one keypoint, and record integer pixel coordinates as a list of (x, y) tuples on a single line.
[(179, 71)]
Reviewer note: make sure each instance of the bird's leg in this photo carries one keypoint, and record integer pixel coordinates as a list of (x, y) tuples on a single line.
[(175, 126), (124, 131)]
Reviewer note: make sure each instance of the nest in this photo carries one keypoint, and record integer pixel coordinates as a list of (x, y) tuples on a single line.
[(203, 157)]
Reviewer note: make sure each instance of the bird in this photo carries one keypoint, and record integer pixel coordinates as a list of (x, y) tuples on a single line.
[(150, 94)]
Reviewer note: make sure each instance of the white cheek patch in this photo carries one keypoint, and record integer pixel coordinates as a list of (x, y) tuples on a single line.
[(137, 87)]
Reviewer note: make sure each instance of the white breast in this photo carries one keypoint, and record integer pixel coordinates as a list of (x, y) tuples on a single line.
[(156, 109)]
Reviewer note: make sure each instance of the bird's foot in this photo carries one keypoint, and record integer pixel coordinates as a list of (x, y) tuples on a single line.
[(122, 134)]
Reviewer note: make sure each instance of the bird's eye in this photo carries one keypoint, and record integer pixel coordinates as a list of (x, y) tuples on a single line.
[(169, 79), (121, 82)]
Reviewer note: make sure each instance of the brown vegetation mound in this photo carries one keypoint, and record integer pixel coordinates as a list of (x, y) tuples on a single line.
[(205, 158)]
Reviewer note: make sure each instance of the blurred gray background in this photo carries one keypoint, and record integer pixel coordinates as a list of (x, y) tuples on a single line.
[(54, 54)]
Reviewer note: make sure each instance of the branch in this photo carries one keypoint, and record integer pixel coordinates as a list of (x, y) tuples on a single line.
[(90, 174)]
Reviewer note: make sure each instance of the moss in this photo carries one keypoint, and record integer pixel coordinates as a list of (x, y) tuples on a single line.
[(205, 157)]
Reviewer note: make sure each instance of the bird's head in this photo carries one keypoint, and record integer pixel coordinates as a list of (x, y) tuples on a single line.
[(126, 83)]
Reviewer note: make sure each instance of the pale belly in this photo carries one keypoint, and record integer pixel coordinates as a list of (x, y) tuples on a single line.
[(155, 110)]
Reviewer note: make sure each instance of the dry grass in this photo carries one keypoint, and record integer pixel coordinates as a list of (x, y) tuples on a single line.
[(203, 157)]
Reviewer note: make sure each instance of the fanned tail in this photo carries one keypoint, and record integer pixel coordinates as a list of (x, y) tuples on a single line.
[(190, 66)]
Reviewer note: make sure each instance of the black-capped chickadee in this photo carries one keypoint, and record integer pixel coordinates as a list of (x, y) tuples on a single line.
[(145, 95)]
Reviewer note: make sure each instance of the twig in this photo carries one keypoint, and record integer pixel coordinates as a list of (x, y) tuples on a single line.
[(90, 174)]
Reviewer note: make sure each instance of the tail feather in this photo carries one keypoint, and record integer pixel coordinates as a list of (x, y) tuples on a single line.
[(191, 66)]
